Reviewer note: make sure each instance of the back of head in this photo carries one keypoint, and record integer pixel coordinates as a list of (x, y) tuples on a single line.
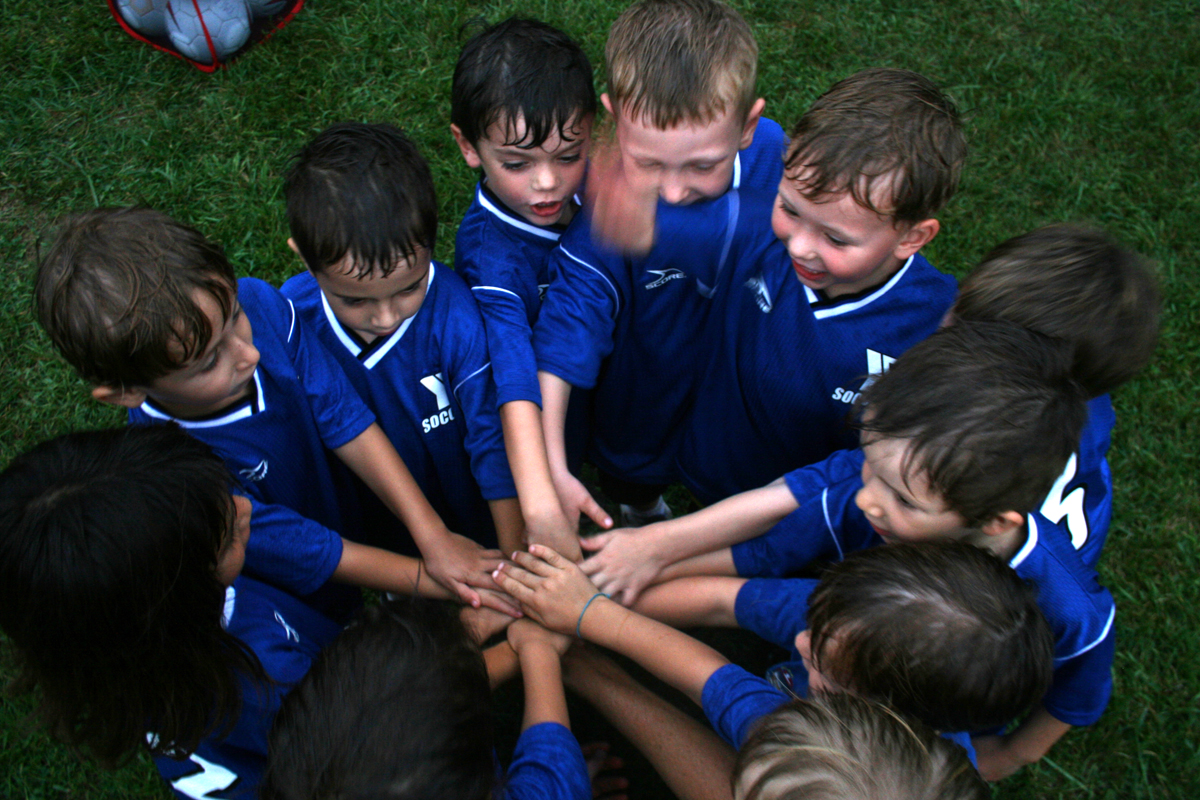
[(1075, 284), (116, 292), (521, 69), (398, 708), (360, 191), (991, 411), (842, 747), (944, 632), (109, 544), (890, 137), (676, 62)]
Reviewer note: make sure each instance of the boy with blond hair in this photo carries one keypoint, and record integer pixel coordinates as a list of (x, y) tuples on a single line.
[(688, 127)]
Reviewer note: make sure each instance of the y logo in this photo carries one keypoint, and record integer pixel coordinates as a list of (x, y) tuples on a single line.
[(436, 384)]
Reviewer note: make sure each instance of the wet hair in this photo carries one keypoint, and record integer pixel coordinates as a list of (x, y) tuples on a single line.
[(842, 747), (363, 191), (397, 708), (522, 69), (991, 413), (109, 545), (890, 137), (944, 632), (674, 62), (116, 293), (1075, 284)]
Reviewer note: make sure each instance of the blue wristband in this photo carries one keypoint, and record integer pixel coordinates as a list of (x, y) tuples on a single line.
[(579, 622)]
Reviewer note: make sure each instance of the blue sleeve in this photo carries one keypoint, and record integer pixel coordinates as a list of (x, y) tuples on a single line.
[(774, 608), (510, 341), (547, 765), (840, 466), (963, 740), (289, 550), (574, 331), (1082, 684), (734, 700)]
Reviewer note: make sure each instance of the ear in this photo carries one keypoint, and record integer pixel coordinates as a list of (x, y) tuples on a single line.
[(469, 153), (125, 398), (1003, 523), (606, 101), (751, 125), (917, 236)]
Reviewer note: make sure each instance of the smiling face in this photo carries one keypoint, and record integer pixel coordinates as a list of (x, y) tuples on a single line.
[(218, 377), (839, 246), (535, 182), (374, 305)]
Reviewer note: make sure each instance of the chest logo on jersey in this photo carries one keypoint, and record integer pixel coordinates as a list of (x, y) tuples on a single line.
[(877, 364), (542, 287), (761, 295), (664, 275), (288, 631), (437, 385), (255, 473)]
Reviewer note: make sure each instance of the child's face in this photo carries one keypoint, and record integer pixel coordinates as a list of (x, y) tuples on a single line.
[(901, 506), (836, 245), (687, 163), (536, 182), (218, 377), (233, 555), (375, 305)]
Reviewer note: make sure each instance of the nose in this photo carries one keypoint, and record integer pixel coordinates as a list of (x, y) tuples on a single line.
[(866, 502), (800, 245), (248, 354), (545, 179), (386, 317), (673, 190)]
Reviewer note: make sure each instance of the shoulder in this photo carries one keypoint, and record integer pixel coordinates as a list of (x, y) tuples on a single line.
[(265, 306)]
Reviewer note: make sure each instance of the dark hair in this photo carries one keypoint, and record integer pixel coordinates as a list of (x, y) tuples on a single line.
[(397, 707), (116, 292), (673, 62), (362, 191), (990, 410), (521, 68), (842, 747), (890, 137), (1076, 284), (109, 543), (941, 631)]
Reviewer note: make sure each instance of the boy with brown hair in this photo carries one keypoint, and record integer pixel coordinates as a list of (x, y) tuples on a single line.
[(688, 127)]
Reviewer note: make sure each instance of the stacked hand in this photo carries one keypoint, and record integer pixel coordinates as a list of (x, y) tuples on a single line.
[(624, 563), (551, 589)]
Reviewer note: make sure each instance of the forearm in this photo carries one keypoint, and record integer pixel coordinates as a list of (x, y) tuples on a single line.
[(501, 662), (510, 527), (1001, 756), (719, 563), (525, 443), (545, 699), (385, 571), (689, 602), (556, 396)]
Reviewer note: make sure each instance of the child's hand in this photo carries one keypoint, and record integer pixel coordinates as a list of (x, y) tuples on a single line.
[(459, 564), (526, 633), (624, 562), (576, 499), (550, 588), (622, 210), (556, 533)]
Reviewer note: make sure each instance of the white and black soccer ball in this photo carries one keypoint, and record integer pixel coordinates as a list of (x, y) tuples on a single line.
[(228, 23), (266, 8), (147, 17)]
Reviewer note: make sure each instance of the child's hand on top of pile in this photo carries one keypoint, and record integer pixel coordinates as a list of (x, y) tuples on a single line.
[(551, 589), (623, 563)]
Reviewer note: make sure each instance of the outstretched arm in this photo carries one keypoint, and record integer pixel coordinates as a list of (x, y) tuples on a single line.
[(1001, 756), (628, 560), (556, 396), (689, 602), (556, 593), (539, 651)]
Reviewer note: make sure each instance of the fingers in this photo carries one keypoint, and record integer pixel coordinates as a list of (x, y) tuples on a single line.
[(500, 602), (538, 560), (594, 543), (465, 593), (549, 556), (594, 511), (508, 574)]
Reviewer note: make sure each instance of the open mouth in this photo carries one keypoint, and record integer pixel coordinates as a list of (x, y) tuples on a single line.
[(547, 209), (807, 274)]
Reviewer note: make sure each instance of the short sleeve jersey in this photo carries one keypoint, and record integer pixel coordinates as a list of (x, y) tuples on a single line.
[(633, 328), (285, 635), (789, 364), (503, 258), (429, 384), (547, 765)]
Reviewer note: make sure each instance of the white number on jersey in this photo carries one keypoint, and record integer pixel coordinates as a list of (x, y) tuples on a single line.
[(211, 778), (1057, 507)]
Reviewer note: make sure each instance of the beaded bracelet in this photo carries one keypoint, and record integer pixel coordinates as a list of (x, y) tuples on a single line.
[(579, 622)]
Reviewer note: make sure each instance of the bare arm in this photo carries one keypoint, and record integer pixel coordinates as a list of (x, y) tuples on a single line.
[(539, 651), (689, 602), (556, 593), (691, 759), (556, 395), (545, 522), (1001, 756), (502, 664), (454, 561), (629, 560), (510, 527)]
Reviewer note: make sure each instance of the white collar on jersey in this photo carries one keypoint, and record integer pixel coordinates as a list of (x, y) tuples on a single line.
[(230, 600), (504, 216), (380, 349), (242, 411), (854, 305)]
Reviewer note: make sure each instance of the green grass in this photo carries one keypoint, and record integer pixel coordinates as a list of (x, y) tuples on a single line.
[(1077, 111)]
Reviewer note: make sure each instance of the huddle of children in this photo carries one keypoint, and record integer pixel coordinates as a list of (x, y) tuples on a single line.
[(724, 302)]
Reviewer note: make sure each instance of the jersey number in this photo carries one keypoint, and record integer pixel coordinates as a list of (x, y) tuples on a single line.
[(1057, 507), (211, 778)]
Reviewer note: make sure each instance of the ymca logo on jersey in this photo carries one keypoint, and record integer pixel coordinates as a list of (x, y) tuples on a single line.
[(664, 275), (437, 385), (542, 287), (255, 473), (877, 364), (761, 295)]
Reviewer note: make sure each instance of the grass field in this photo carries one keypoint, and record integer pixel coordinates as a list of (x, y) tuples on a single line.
[(1077, 111)]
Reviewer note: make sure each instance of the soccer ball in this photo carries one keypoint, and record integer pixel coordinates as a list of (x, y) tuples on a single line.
[(266, 8), (228, 23), (147, 17)]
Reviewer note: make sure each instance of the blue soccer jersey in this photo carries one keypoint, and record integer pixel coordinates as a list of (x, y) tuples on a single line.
[(504, 260), (277, 443), (429, 383), (285, 635), (734, 700), (633, 328), (547, 764), (788, 364)]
